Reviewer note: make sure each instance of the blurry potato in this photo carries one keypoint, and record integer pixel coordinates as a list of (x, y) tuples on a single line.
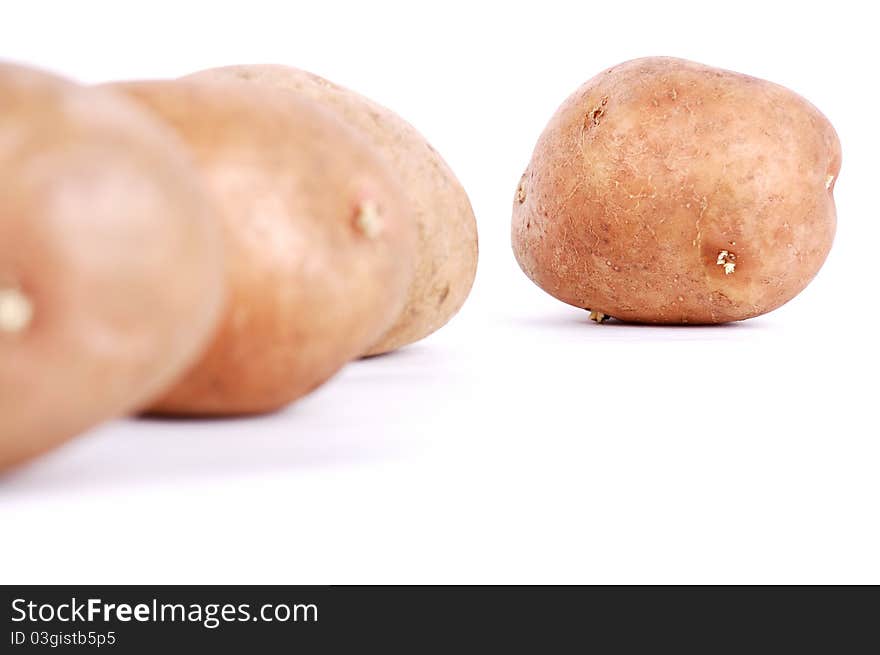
[(435, 202), (111, 277), (319, 253), (665, 191)]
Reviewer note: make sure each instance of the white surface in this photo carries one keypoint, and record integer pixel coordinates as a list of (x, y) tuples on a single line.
[(521, 443)]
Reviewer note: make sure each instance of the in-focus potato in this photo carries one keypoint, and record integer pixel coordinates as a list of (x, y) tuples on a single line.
[(446, 260), (319, 254), (665, 191), (111, 273)]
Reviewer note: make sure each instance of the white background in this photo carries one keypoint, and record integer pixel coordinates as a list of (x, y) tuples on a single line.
[(521, 443)]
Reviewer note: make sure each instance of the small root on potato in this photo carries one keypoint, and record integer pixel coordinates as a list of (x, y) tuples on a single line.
[(16, 311), (598, 317), (521, 194), (368, 220), (829, 181), (727, 259)]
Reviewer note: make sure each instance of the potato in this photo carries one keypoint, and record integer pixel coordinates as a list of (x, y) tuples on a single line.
[(665, 191), (319, 253), (111, 273), (447, 246)]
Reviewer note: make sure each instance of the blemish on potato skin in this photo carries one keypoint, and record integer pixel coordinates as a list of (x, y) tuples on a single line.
[(16, 311), (443, 295), (720, 298), (595, 115)]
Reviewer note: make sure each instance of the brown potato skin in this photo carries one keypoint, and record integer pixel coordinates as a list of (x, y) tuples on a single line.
[(436, 202), (653, 168), (310, 287), (107, 234)]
